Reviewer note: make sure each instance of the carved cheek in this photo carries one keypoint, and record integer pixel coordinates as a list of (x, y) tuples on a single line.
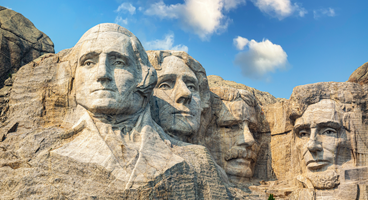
[(124, 80)]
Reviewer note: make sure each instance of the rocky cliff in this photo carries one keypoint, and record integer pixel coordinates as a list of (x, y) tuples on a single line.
[(21, 42)]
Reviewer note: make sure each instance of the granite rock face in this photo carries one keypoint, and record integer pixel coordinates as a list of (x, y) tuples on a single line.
[(360, 75), (79, 126), (108, 120), (21, 42)]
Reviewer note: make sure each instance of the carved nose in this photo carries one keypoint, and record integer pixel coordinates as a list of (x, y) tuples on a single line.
[(246, 138), (314, 146), (103, 72), (184, 95)]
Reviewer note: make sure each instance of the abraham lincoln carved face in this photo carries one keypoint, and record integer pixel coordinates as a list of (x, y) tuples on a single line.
[(319, 131)]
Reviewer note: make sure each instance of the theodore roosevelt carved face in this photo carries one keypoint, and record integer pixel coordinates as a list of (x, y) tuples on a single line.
[(235, 147)]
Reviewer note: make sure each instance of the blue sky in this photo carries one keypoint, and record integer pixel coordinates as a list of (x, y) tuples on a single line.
[(271, 45)]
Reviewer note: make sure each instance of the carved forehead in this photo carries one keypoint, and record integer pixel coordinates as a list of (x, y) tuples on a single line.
[(236, 111), (109, 41), (322, 112), (95, 31), (175, 65)]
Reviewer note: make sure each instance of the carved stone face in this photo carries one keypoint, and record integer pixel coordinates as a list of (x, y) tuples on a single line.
[(176, 98), (234, 139), (318, 134), (107, 75)]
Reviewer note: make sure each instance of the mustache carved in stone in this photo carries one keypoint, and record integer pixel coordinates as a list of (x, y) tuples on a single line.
[(241, 152)]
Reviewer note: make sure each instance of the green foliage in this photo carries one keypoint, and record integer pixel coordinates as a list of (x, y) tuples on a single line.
[(10, 75), (271, 197)]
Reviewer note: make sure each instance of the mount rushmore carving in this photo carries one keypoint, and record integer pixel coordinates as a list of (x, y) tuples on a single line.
[(108, 120)]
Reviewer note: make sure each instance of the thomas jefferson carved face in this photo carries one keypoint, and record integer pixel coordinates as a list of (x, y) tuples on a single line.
[(318, 134), (107, 74), (176, 98)]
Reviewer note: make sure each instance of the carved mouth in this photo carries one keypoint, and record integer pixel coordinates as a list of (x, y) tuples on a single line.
[(103, 89), (240, 155), (242, 161), (315, 164), (184, 113)]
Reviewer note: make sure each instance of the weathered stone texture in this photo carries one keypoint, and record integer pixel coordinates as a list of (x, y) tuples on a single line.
[(133, 127), (360, 75), (20, 42), (264, 98), (52, 147)]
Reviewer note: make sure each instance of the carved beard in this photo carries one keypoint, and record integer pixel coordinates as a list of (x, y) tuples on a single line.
[(324, 180)]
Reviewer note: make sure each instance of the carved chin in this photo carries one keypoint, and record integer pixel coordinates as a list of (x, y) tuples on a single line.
[(181, 125), (324, 180)]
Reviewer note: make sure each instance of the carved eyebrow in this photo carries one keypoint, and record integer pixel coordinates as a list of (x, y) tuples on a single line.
[(88, 55), (298, 127), (118, 55), (165, 77), (190, 79), (331, 124)]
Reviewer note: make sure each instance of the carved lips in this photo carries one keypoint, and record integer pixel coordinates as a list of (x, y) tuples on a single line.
[(315, 164), (183, 113), (103, 89)]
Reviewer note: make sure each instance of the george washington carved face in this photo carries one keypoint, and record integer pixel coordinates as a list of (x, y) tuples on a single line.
[(107, 74)]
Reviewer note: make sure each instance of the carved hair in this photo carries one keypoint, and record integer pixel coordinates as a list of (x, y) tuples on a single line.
[(233, 94), (157, 57)]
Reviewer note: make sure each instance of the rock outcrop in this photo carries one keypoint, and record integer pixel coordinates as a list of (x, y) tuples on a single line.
[(360, 75), (55, 144), (21, 42), (264, 98), (107, 120)]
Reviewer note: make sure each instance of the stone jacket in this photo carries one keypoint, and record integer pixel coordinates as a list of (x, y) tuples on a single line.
[(151, 165)]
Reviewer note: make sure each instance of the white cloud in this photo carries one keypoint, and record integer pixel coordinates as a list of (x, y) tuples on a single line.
[(240, 42), (301, 11), (8, 8), (261, 58), (165, 44), (232, 4), (330, 12), (279, 8), (119, 20), (124, 7), (202, 17)]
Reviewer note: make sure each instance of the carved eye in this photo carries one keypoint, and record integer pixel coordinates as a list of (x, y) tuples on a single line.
[(191, 87), (329, 131), (235, 126), (164, 86), (88, 63), (303, 133), (118, 62)]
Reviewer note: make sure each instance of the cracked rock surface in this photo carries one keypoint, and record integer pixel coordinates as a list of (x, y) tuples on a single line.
[(20, 43)]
